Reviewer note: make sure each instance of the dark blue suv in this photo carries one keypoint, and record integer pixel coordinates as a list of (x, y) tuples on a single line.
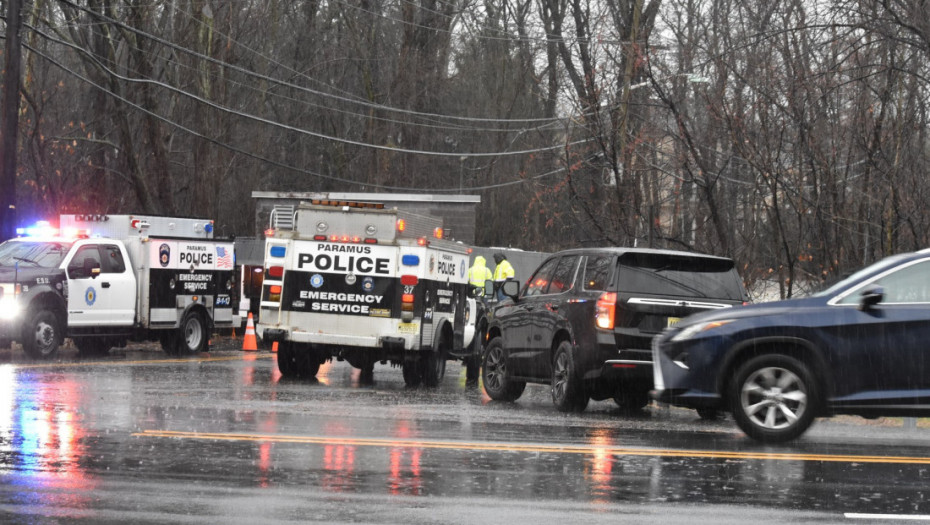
[(860, 347)]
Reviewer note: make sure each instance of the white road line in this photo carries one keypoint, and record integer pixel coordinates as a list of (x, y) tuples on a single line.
[(859, 516)]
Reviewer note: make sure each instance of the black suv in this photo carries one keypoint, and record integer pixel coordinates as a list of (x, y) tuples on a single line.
[(585, 320)]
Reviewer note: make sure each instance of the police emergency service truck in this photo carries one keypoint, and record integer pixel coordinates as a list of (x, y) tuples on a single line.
[(103, 280), (364, 284)]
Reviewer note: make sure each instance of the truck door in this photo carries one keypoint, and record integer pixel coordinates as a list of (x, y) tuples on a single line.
[(101, 287)]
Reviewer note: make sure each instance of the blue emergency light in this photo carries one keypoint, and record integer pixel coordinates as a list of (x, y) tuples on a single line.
[(410, 260)]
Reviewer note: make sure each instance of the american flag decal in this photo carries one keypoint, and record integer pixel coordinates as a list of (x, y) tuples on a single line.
[(224, 258)]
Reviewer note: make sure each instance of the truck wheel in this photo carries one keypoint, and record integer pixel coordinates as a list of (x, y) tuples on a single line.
[(169, 342), (497, 382), (433, 365), (412, 376), (42, 335), (472, 370), (90, 346), (192, 335), (308, 361), (567, 390), (286, 363), (298, 361)]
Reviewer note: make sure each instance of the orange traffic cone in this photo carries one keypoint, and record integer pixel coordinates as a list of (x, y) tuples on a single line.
[(274, 346), (249, 342)]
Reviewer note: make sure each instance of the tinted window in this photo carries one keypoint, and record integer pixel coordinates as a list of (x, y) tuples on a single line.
[(84, 254), (113, 259), (540, 281), (910, 284), (680, 276), (597, 272), (563, 276)]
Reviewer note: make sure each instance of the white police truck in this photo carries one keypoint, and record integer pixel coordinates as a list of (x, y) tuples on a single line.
[(105, 279), (361, 283)]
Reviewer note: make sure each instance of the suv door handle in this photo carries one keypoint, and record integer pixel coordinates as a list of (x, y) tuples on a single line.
[(105, 285)]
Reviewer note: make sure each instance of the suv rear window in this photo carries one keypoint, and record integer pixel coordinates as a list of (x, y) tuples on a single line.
[(683, 276)]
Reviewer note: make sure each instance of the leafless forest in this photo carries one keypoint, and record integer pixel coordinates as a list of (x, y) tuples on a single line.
[(791, 135)]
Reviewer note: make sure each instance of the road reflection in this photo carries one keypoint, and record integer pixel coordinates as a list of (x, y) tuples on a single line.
[(41, 434)]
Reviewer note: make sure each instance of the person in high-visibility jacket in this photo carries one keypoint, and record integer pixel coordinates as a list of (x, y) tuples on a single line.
[(502, 272), (479, 273)]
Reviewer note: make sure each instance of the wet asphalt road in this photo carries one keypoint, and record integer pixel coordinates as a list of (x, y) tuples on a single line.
[(137, 437)]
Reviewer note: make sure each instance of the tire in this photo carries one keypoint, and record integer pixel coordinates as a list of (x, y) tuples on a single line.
[(91, 346), (433, 364), (566, 388), (192, 334), (497, 384), (42, 335), (631, 399), (308, 361), (298, 361), (472, 370), (168, 339), (774, 398), (473, 361), (286, 364), (412, 373)]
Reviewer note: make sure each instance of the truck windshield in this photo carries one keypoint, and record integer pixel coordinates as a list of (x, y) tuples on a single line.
[(44, 254)]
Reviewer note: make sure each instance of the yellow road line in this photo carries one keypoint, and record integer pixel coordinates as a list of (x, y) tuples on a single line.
[(78, 364), (532, 447)]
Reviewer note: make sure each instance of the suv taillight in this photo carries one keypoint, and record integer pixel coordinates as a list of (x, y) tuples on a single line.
[(606, 305)]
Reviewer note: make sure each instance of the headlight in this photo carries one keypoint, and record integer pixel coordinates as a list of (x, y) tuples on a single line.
[(698, 328), (9, 308)]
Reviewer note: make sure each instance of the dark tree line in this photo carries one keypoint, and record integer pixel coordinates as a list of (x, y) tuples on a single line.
[(790, 135)]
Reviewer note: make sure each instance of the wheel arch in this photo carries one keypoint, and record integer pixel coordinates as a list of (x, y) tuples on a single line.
[(560, 336), (796, 347)]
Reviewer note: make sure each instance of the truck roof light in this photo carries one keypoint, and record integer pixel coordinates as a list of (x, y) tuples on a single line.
[(269, 232), (409, 280), (371, 240), (275, 271), (401, 225), (438, 233), (423, 241), (277, 251), (39, 229), (410, 260)]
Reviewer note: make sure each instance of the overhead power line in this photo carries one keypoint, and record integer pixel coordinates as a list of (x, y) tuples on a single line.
[(283, 83), (271, 161)]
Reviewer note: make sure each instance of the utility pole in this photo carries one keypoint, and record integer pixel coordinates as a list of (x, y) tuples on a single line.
[(9, 120)]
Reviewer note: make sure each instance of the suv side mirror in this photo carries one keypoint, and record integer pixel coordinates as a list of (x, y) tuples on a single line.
[(870, 297), (511, 288), (475, 291)]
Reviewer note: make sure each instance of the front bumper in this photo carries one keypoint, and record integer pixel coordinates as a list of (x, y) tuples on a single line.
[(674, 384)]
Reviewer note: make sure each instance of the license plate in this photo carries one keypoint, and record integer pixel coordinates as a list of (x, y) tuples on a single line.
[(408, 328), (673, 320)]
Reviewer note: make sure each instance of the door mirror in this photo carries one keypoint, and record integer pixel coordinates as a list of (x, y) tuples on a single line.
[(91, 268), (870, 297), (475, 291), (511, 288)]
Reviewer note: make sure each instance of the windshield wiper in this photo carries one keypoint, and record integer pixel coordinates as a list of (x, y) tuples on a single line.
[(26, 260)]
